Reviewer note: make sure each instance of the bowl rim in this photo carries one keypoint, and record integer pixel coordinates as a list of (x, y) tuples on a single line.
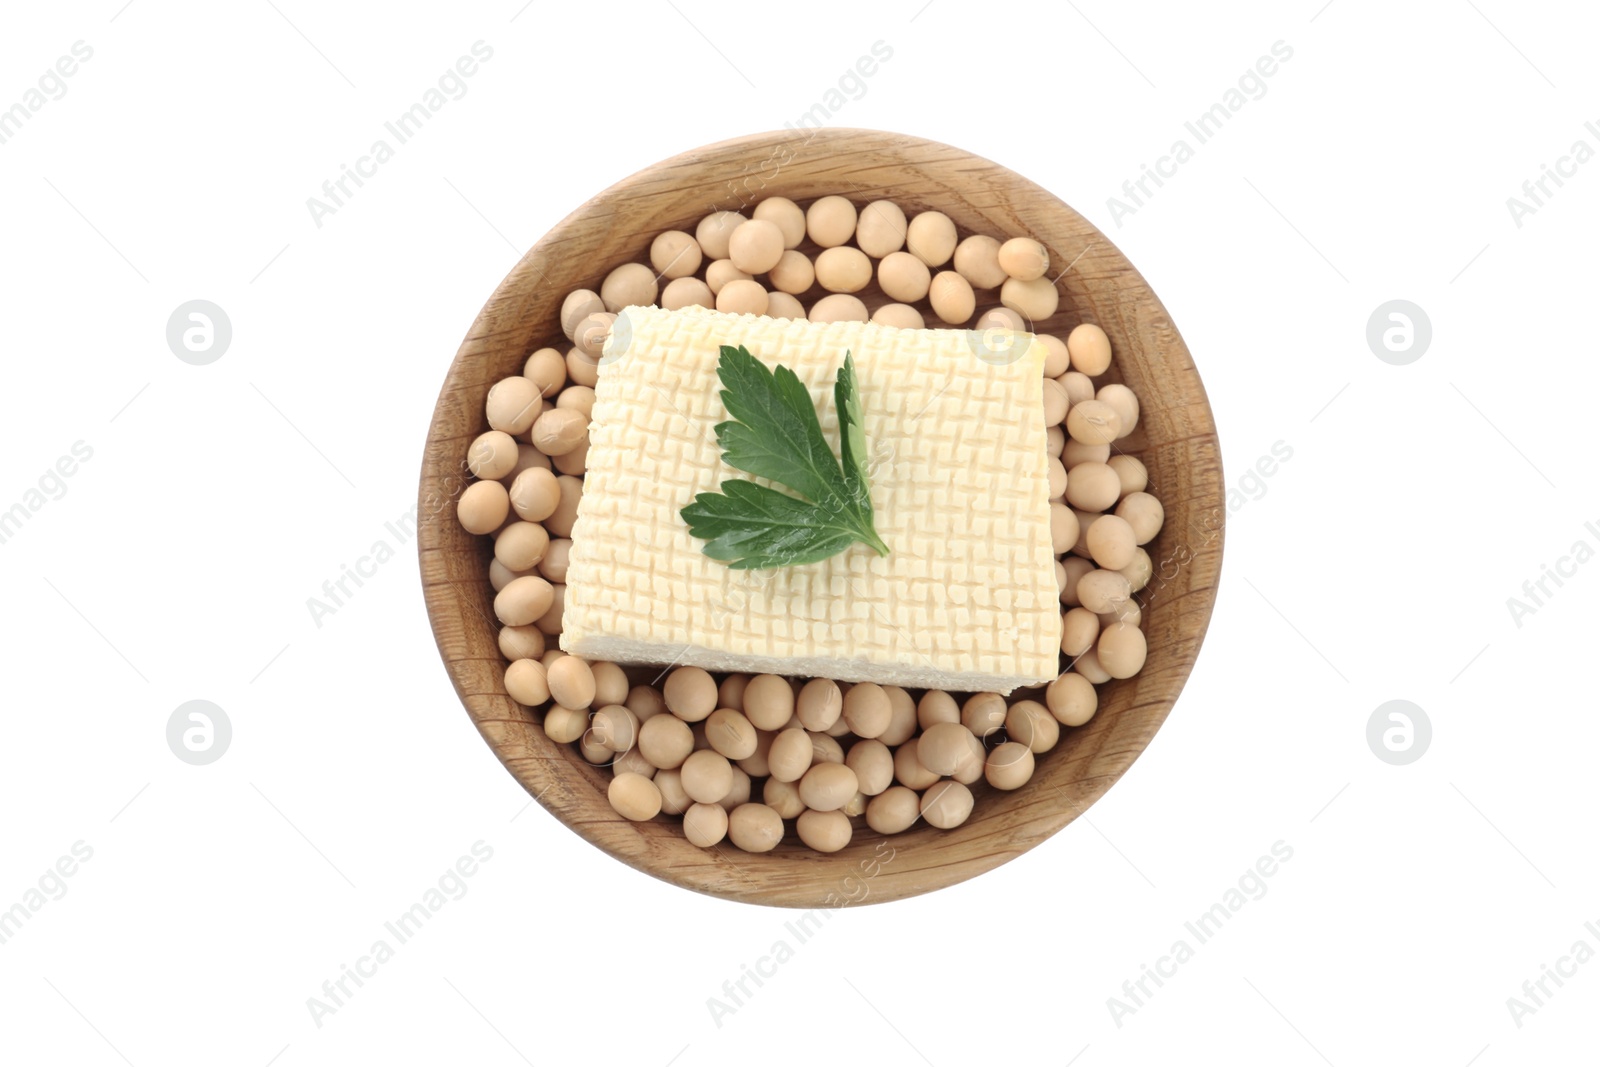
[(1101, 751)]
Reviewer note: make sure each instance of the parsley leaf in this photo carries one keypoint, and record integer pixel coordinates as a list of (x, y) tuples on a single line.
[(852, 438), (775, 434)]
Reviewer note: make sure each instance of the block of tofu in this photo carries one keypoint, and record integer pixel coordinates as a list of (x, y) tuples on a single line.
[(966, 600)]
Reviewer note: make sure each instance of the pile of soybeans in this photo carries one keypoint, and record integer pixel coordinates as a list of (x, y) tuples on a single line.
[(739, 757)]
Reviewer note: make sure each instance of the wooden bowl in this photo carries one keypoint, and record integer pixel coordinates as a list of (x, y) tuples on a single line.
[(1176, 439)]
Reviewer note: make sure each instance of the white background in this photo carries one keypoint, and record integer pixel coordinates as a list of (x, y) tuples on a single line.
[(1373, 565)]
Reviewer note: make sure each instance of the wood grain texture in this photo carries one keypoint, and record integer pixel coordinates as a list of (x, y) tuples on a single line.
[(1176, 439)]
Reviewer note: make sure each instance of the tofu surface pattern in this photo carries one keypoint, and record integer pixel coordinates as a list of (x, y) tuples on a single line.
[(967, 598)]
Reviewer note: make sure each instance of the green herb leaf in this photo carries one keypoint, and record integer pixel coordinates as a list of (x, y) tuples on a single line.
[(750, 526), (852, 438), (776, 435)]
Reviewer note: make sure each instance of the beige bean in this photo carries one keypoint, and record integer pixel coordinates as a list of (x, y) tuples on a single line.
[(900, 316), (592, 333), (565, 725), (582, 367), (838, 307), (1111, 541), (1101, 591), (687, 292), (707, 776), (783, 797), (828, 786), (1139, 571), (705, 825), (1056, 403), (550, 622), (513, 403), (1009, 766), (831, 221), (492, 455), (1075, 567), (1064, 527), (715, 230), (946, 805), (881, 228), (629, 285), (984, 713), (559, 522), (731, 734), (1144, 515), (1121, 650), (1131, 473), (1030, 723), (1023, 258), (1093, 423), (1078, 386), (937, 706), (547, 367), (631, 762), (571, 682), (521, 545), (943, 748), (615, 727), (786, 215), (819, 704), (784, 306), (866, 710), (674, 801), (521, 642), (730, 693), (553, 567), (523, 600), (1056, 360), (931, 237), (904, 277), (902, 717), (755, 764), (793, 273), (824, 831), (525, 682), (1080, 628), (1092, 486), (755, 828), (675, 254), (1076, 452), (755, 246), (643, 700), (873, 765), (843, 269), (791, 754), (908, 768), (665, 740), (977, 259), (952, 298), (894, 810), (742, 297), (690, 693), (1034, 300), (1090, 349), (769, 701), (1123, 401), (483, 507), (721, 272), (634, 797), (610, 683), (824, 748), (579, 305), (559, 430)]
